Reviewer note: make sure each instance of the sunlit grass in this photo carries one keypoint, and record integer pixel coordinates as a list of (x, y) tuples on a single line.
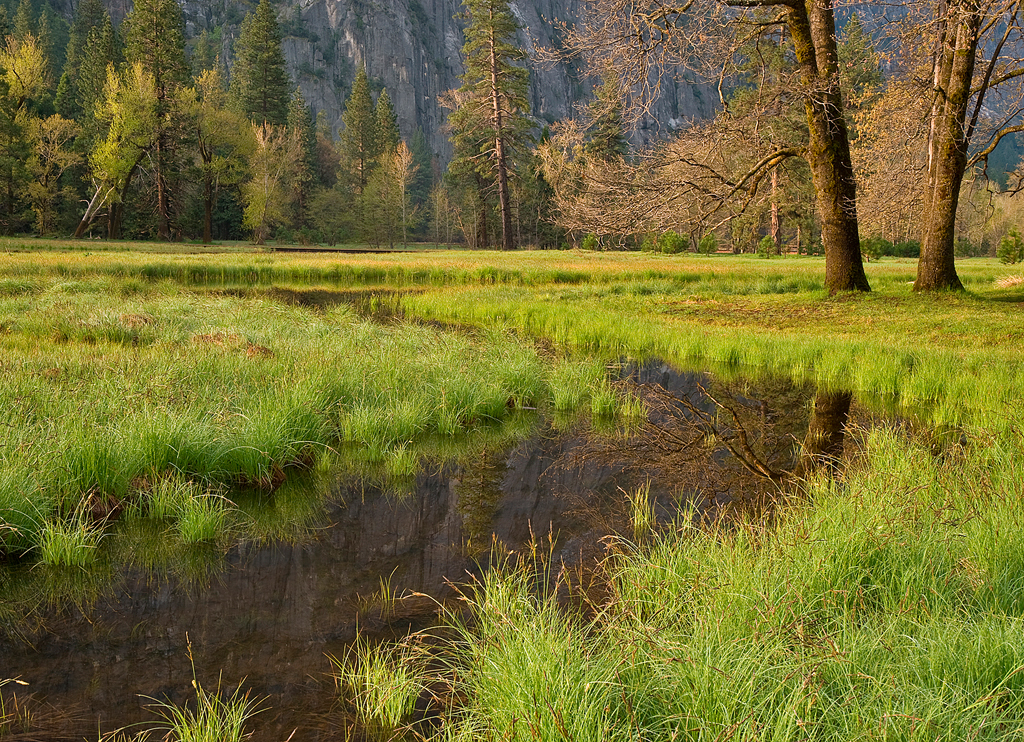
[(382, 682), (69, 542), (888, 605)]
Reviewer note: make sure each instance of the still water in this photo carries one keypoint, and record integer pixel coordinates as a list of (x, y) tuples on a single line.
[(263, 614)]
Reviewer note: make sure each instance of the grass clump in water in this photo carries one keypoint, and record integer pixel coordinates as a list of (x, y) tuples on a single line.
[(203, 518), (382, 682), (69, 543), (213, 719)]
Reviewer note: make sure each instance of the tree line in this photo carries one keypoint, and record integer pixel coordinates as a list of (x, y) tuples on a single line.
[(837, 137), (124, 134)]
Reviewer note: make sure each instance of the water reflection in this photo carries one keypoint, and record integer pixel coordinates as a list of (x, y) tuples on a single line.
[(335, 557)]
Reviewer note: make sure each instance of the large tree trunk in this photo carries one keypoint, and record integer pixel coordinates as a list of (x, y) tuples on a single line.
[(481, 215), (812, 25), (504, 202), (948, 140)]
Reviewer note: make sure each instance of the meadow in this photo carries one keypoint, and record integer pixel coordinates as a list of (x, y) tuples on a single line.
[(884, 603)]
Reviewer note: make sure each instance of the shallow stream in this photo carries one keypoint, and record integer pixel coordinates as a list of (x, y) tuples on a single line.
[(263, 614)]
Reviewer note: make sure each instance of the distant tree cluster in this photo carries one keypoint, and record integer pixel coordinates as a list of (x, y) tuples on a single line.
[(136, 138), (835, 135)]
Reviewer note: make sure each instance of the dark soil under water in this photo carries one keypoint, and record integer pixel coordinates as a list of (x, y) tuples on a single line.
[(263, 617)]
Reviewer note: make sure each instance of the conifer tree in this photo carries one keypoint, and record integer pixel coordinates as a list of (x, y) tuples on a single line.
[(24, 20), (423, 174), (155, 40), (46, 34), (358, 138), (489, 116), (859, 66), (385, 125), (101, 50), (607, 137), (89, 15), (260, 86), (300, 123)]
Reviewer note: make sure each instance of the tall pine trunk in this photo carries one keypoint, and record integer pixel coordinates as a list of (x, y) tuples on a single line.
[(504, 202)]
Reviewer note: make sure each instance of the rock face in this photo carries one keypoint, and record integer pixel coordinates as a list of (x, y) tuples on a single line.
[(413, 48)]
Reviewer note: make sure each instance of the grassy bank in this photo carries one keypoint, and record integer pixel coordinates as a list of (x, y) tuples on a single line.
[(887, 606), (156, 396)]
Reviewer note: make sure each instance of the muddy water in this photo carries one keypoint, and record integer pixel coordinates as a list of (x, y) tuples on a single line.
[(265, 616)]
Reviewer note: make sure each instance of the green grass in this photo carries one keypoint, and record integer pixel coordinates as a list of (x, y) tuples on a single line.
[(382, 682), (106, 394), (69, 543), (883, 605), (888, 605)]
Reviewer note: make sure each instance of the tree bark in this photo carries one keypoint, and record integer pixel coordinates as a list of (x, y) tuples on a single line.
[(504, 202), (948, 141), (776, 229), (481, 215), (812, 25)]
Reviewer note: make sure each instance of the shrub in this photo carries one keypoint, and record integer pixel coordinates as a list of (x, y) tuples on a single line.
[(708, 244), (1011, 247), (766, 247), (907, 249), (671, 242), (873, 248), (590, 242), (649, 244)]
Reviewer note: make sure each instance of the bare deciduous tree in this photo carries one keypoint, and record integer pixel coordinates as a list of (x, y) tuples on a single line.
[(643, 40)]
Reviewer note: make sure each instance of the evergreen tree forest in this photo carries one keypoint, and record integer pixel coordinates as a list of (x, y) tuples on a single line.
[(133, 131)]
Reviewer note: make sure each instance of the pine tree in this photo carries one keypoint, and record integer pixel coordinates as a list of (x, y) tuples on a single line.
[(260, 86), (423, 175), (154, 36), (24, 20), (44, 36), (489, 119), (607, 137), (155, 39), (300, 123), (100, 52), (89, 15), (859, 66), (385, 125), (358, 138)]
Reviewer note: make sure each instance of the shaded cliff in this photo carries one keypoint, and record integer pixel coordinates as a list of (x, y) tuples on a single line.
[(413, 48)]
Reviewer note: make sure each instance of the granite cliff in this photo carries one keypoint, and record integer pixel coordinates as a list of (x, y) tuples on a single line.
[(413, 48)]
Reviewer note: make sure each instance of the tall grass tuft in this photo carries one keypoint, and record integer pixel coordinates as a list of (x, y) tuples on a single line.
[(383, 683), (203, 518), (69, 542), (213, 719)]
